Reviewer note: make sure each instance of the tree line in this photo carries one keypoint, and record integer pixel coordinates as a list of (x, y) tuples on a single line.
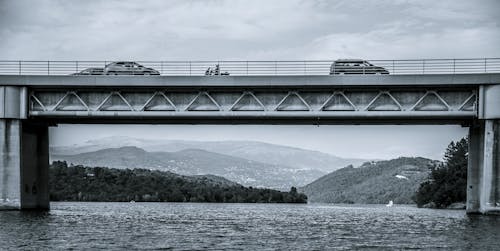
[(447, 182), (80, 183)]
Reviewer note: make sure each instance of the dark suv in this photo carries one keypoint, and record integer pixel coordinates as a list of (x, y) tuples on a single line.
[(128, 68), (355, 66)]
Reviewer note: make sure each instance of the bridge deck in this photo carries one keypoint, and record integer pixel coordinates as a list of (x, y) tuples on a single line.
[(255, 98), (41, 81)]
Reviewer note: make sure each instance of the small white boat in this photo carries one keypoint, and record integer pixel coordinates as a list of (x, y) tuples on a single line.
[(390, 204), (132, 201)]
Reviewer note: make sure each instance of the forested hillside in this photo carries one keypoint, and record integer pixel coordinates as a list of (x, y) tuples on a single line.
[(373, 182), (79, 183)]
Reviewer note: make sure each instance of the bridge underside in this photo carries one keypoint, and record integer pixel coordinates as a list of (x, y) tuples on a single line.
[(255, 105), (27, 111)]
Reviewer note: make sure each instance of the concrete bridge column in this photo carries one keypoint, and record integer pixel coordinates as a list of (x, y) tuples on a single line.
[(483, 179), (24, 154)]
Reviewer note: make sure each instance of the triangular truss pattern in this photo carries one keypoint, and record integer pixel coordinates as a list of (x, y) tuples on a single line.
[(469, 104), (88, 102), (115, 102), (71, 102), (384, 101), (361, 98), (293, 102), (455, 99), (203, 102), (226, 100), (93, 100), (158, 102), (338, 102), (270, 100), (181, 100), (407, 99), (51, 100), (316, 100), (247, 102), (138, 99), (431, 101), (36, 105)]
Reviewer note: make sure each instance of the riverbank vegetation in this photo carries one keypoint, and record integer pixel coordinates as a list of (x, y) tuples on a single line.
[(447, 182), (376, 182), (79, 183)]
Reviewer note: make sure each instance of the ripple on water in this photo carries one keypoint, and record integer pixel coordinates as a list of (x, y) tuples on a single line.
[(187, 226)]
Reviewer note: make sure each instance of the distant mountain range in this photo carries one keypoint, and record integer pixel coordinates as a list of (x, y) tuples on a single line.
[(372, 183), (197, 162), (291, 157), (249, 163)]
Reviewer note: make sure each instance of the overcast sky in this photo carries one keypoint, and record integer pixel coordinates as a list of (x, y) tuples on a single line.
[(257, 30)]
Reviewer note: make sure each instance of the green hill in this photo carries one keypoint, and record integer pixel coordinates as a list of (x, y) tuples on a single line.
[(372, 183), (79, 183)]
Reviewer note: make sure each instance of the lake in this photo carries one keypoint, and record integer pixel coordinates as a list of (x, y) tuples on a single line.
[(194, 226)]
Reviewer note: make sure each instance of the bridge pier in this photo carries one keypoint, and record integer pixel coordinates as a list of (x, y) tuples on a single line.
[(24, 148), (483, 174)]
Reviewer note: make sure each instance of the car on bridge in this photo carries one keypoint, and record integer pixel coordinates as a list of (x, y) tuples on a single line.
[(90, 71), (128, 68), (355, 66)]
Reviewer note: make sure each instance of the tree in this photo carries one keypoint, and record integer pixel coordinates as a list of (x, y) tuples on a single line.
[(79, 183), (447, 182)]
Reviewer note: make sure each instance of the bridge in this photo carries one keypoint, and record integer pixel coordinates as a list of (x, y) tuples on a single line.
[(464, 92)]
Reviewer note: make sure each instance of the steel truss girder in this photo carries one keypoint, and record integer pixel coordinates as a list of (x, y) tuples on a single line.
[(255, 103)]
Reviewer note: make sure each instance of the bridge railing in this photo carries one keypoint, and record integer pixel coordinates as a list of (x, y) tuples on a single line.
[(264, 68)]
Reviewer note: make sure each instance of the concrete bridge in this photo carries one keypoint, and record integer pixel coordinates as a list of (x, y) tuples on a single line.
[(29, 104)]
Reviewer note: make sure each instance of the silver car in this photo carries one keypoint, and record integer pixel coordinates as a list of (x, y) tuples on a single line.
[(90, 71), (128, 68)]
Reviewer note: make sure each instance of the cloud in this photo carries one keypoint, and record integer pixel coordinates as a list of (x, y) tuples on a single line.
[(259, 30), (395, 44), (217, 29)]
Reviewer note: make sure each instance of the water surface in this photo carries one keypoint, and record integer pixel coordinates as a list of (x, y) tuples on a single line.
[(188, 226)]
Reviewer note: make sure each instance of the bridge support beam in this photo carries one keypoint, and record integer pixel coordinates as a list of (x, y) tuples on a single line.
[(24, 165), (24, 154), (483, 179)]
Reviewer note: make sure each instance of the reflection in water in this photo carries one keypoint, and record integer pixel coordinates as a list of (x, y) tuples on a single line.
[(245, 226)]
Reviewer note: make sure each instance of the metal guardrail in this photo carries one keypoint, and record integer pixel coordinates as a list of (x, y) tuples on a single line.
[(262, 68)]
